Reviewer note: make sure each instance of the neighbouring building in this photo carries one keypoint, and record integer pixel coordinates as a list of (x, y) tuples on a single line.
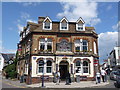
[(61, 45), (114, 58), (6, 59)]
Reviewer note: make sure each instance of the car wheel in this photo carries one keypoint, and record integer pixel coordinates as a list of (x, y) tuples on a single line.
[(116, 85)]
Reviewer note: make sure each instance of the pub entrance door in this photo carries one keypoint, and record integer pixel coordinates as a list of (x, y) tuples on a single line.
[(63, 68)]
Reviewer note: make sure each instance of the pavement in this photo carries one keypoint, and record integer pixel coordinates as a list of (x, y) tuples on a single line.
[(82, 84)]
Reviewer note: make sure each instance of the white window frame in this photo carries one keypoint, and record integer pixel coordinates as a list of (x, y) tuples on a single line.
[(84, 45), (61, 24), (95, 48), (46, 43), (85, 67), (43, 66), (23, 34), (77, 24), (27, 30), (50, 24), (78, 66), (26, 68), (49, 66)]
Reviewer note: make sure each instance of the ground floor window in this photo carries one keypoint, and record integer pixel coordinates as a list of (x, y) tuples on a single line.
[(81, 66), (49, 66), (85, 67), (46, 65), (40, 66)]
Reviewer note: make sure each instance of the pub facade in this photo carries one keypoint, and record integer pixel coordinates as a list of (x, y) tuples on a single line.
[(50, 46)]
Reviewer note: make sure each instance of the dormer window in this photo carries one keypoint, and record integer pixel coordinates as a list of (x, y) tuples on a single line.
[(47, 24), (64, 24), (80, 25)]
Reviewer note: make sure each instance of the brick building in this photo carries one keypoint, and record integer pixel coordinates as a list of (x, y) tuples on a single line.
[(64, 46)]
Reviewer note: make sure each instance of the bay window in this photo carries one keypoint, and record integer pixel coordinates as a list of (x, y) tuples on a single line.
[(49, 67), (81, 45), (84, 45), (46, 44), (85, 67), (81, 67), (78, 66), (40, 66)]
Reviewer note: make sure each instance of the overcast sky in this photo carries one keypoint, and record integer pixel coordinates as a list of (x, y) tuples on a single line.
[(103, 16)]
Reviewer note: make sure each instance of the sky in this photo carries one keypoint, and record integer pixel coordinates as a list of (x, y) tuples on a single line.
[(101, 15)]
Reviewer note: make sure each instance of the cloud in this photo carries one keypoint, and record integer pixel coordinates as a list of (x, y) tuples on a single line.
[(30, 20), (24, 15), (109, 7), (86, 10), (116, 27), (106, 42), (8, 50), (20, 28), (4, 50), (30, 3), (22, 21)]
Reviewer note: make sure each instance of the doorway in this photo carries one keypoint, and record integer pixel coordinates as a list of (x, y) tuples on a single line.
[(63, 68)]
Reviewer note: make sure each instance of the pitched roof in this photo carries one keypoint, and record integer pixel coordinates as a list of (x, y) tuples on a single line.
[(7, 56)]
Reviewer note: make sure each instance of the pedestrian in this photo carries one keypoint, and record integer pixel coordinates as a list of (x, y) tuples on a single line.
[(103, 74), (68, 78), (97, 77), (54, 77), (106, 76), (58, 78)]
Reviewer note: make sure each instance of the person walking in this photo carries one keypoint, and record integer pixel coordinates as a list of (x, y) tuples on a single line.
[(97, 77), (68, 78), (103, 74), (58, 78)]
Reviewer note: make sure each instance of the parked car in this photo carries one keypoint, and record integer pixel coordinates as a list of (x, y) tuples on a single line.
[(117, 82), (113, 75)]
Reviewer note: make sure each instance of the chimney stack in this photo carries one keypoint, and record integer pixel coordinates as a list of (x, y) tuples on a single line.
[(40, 19)]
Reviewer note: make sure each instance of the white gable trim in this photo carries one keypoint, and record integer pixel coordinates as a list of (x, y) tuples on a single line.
[(61, 24), (50, 23), (80, 19)]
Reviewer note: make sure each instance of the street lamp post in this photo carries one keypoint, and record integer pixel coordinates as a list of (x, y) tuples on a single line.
[(43, 75)]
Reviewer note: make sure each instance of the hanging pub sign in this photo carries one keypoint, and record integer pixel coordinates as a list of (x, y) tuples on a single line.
[(95, 62)]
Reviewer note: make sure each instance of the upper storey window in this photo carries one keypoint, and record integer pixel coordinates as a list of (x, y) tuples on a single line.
[(80, 25), (45, 44), (47, 24), (64, 24)]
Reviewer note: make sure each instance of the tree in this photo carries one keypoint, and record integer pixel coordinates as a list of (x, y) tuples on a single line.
[(10, 70)]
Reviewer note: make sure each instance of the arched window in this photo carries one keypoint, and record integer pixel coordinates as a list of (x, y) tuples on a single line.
[(40, 66), (49, 66), (85, 67), (78, 66)]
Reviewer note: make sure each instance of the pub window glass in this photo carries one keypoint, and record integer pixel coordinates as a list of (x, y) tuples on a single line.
[(40, 66), (78, 66), (85, 67), (49, 66)]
